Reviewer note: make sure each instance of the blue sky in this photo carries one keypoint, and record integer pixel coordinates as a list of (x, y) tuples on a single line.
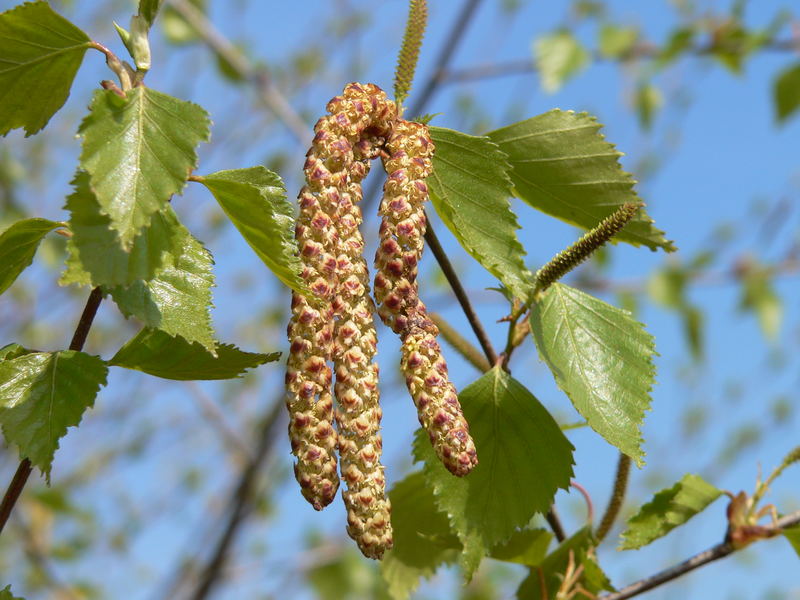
[(716, 158)]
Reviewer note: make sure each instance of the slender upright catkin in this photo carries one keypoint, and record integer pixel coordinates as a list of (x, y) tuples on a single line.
[(408, 163), (369, 117)]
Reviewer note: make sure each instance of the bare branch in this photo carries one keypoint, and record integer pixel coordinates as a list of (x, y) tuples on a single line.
[(25, 467), (259, 78), (690, 564)]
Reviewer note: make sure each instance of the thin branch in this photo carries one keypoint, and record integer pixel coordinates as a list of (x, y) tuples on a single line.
[(460, 344), (555, 524), (238, 62), (38, 556), (25, 467), (525, 66), (441, 63), (460, 293), (240, 505), (617, 497), (217, 421), (690, 564)]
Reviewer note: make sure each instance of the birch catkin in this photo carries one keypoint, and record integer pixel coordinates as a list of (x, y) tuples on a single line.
[(402, 231), (310, 331), (358, 415)]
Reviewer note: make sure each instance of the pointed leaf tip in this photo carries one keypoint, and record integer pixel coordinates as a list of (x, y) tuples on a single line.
[(601, 358)]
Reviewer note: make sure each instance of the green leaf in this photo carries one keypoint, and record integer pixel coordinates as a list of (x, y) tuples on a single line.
[(792, 535), (18, 245), (601, 357), (157, 353), (40, 52), (346, 577), (94, 255), (786, 92), (41, 395), (550, 572), (679, 42), (616, 42), (149, 9), (255, 201), (7, 594), (563, 166), (470, 191), (519, 471), (422, 537), (139, 151), (758, 295), (648, 101), (525, 547), (10, 351), (178, 299), (559, 57), (667, 510)]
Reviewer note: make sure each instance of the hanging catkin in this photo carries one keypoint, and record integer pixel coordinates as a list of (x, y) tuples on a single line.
[(408, 163), (371, 116), (310, 331)]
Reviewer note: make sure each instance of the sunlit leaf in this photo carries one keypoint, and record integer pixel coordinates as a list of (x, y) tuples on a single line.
[(157, 353), (178, 299), (18, 245), (470, 190), (95, 256), (41, 395), (423, 540), (564, 167), (139, 151), (601, 358), (255, 201), (667, 510), (559, 57), (10, 351), (40, 52), (519, 471)]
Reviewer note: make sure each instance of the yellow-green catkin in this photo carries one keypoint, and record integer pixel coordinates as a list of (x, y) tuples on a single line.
[(409, 151), (365, 117), (310, 331)]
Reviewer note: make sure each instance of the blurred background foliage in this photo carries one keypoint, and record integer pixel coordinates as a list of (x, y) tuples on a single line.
[(183, 490)]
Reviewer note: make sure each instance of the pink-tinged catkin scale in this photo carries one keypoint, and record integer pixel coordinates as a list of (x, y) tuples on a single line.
[(358, 415), (408, 163), (311, 327)]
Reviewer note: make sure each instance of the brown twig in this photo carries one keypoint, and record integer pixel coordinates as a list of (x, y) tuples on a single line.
[(461, 295), (240, 505), (617, 497), (451, 43), (460, 343), (524, 66), (25, 467), (721, 550), (555, 524)]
